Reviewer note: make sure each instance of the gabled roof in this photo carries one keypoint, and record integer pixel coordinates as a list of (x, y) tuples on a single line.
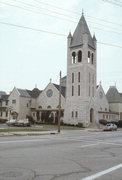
[(34, 93), (2, 93), (63, 89), (81, 29), (23, 93), (4, 97), (113, 95)]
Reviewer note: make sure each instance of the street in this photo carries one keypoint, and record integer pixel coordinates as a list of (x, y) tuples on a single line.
[(71, 155)]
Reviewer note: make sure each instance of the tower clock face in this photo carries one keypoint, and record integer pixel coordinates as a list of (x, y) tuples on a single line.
[(49, 92)]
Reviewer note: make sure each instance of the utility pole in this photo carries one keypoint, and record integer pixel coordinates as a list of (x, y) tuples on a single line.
[(59, 111)]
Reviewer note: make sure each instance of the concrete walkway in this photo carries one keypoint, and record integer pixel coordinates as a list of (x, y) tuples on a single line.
[(27, 133)]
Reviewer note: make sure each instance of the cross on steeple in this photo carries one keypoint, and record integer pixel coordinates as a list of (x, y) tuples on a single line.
[(82, 12)]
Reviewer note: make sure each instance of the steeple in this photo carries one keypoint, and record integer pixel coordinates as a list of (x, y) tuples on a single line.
[(80, 30), (94, 37), (70, 35)]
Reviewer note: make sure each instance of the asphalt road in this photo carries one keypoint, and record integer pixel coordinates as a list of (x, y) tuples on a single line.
[(71, 155)]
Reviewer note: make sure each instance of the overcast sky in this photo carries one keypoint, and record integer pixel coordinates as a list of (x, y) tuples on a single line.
[(30, 57)]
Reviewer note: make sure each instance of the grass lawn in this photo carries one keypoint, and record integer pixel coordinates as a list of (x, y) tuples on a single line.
[(51, 126), (21, 130), (46, 127)]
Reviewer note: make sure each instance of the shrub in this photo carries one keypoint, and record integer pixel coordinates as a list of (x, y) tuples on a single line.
[(30, 118), (103, 121), (79, 125), (61, 122), (115, 122), (3, 120)]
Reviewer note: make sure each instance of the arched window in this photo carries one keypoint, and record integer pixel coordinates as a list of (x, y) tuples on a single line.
[(78, 90), (48, 107), (89, 78), (92, 91), (93, 79), (73, 57), (78, 76), (92, 58), (79, 56), (40, 107), (88, 56), (72, 77), (72, 90), (72, 114)]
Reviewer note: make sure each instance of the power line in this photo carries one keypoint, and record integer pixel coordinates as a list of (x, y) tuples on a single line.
[(117, 1), (112, 45), (40, 8), (113, 23), (37, 12), (58, 13), (119, 33), (74, 12), (114, 3), (43, 31), (31, 28)]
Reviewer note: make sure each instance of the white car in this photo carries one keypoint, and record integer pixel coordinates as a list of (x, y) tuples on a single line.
[(11, 122), (110, 127), (22, 122)]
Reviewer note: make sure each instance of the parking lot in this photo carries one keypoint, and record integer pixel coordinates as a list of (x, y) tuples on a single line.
[(71, 155)]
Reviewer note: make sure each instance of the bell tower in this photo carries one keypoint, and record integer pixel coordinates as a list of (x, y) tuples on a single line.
[(81, 76)]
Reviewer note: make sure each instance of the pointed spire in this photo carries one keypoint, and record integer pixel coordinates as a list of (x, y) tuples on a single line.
[(80, 30), (94, 37), (50, 80), (70, 35), (82, 12), (36, 86)]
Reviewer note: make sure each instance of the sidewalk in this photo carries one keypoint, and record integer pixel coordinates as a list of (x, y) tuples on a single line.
[(27, 133)]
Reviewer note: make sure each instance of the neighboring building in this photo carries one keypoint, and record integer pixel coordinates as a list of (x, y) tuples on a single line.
[(3, 106), (21, 102), (115, 101)]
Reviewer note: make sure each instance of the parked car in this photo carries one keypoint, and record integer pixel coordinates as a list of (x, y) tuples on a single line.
[(22, 122), (11, 122), (110, 127)]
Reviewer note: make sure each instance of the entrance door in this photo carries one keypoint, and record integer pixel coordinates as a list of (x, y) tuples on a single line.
[(91, 115)]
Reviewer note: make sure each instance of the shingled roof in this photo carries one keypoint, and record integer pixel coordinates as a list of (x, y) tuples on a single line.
[(80, 30), (2, 93), (113, 95), (23, 93), (34, 93), (4, 97), (63, 89)]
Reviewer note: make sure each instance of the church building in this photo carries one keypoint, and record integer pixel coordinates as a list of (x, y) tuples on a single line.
[(86, 102), (81, 76), (82, 100)]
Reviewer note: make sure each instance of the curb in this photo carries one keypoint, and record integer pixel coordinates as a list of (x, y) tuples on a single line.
[(28, 133)]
